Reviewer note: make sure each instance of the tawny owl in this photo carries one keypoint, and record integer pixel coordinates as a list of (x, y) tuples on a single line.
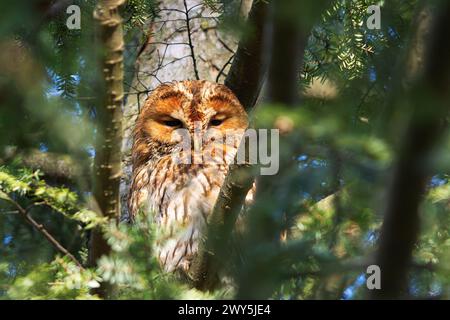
[(181, 195)]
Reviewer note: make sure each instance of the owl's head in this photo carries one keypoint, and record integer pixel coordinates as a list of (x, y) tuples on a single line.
[(190, 105)]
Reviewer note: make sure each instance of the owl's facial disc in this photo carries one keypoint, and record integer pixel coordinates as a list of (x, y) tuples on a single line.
[(186, 106)]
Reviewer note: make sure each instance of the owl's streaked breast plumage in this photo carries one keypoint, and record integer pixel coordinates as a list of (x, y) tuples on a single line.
[(181, 196)]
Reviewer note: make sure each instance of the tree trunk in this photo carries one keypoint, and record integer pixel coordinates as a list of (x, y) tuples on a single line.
[(107, 165), (428, 77)]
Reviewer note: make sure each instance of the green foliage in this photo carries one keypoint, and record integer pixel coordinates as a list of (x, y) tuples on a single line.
[(342, 47), (60, 279), (59, 199), (134, 270), (131, 269), (138, 12)]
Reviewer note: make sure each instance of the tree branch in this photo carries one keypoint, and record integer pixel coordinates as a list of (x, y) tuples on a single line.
[(247, 72), (245, 79), (54, 166), (222, 70), (40, 228), (220, 225)]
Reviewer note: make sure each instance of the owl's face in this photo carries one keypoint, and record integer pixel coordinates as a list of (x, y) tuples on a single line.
[(201, 108)]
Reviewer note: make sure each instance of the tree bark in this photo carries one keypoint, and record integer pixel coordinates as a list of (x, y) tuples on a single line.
[(107, 164), (248, 70)]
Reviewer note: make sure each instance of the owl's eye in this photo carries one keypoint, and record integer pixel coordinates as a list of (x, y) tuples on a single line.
[(173, 123), (216, 122)]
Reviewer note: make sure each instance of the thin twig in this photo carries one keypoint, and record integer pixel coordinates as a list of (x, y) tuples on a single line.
[(223, 68), (336, 167), (191, 46)]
